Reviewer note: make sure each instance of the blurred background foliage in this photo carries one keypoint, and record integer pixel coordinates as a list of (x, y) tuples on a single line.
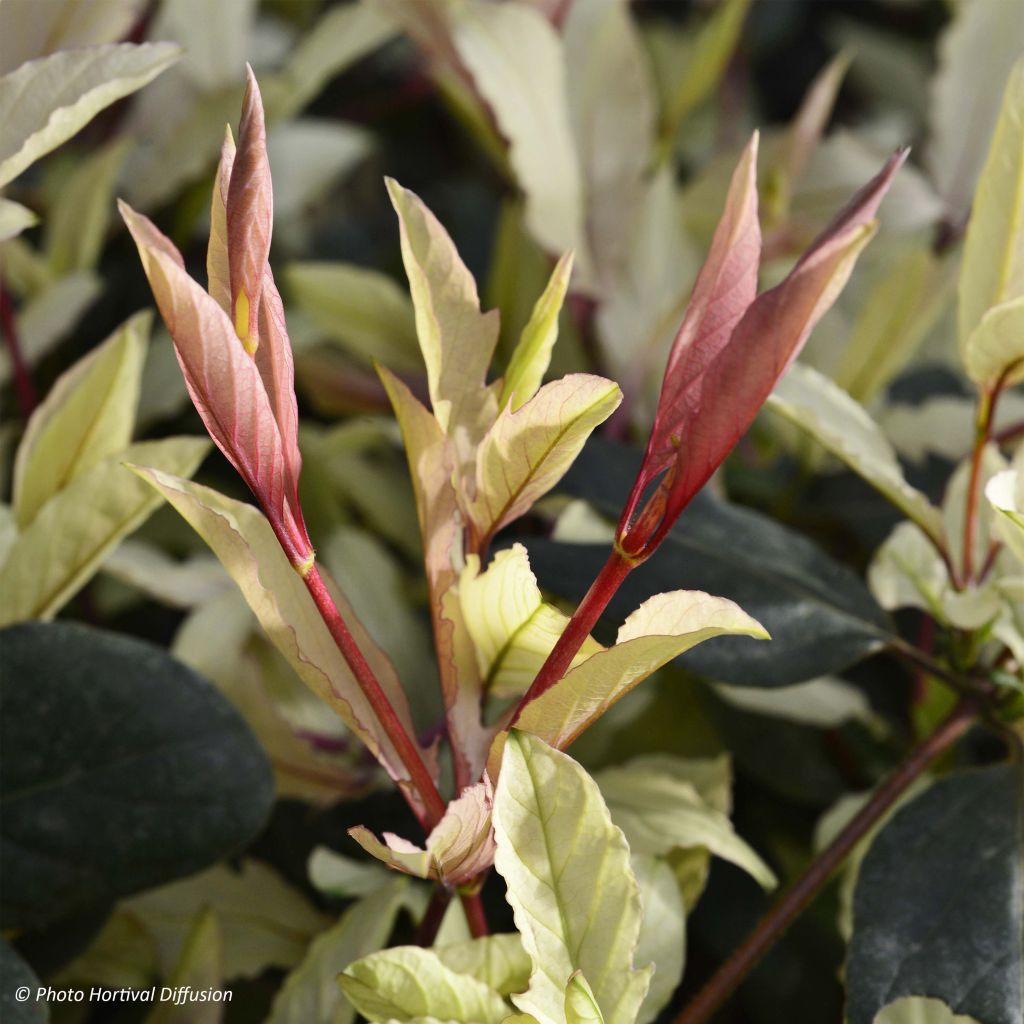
[(612, 132)]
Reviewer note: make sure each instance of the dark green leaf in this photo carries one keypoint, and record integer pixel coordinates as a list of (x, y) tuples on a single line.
[(821, 616), (120, 769), (16, 975), (937, 909)]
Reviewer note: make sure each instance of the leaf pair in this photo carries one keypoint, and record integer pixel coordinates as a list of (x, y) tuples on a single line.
[(73, 499), (733, 346), (231, 342)]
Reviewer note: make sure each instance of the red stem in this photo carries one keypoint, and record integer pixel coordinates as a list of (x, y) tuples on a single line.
[(474, 908), (601, 591), (428, 928), (799, 896), (23, 386), (433, 805), (1009, 434)]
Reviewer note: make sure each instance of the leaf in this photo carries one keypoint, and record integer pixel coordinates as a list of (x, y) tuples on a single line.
[(613, 109), (659, 813), (199, 968), (527, 452), (264, 922), (827, 702), (532, 356), (242, 539), (566, 868), (499, 961), (976, 54), (993, 262), (32, 31), (1005, 492), (406, 983), (821, 616), (97, 725), (343, 36), (937, 907), (46, 101), (456, 339), (662, 932), (695, 75), (14, 218), (897, 314), (185, 583), (246, 402), (661, 629), (459, 848), (333, 874), (49, 315), (512, 629), (311, 993), (362, 309), (88, 415), (76, 227), (580, 1005), (919, 1010), (15, 974), (77, 528), (528, 100), (822, 409), (994, 353)]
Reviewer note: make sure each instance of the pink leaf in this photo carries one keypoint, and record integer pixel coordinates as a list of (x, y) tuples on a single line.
[(225, 384), (731, 351), (250, 216)]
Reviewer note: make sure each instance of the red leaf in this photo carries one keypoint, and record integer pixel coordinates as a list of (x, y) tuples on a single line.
[(731, 351)]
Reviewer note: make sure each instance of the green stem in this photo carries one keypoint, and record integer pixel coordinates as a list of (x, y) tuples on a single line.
[(799, 896)]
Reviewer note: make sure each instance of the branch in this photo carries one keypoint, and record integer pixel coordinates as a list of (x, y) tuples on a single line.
[(799, 896)]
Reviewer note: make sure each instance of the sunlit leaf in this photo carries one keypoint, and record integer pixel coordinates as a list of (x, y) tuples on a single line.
[(658, 631), (499, 961), (659, 812), (1005, 492), (457, 341), (362, 309), (527, 452), (693, 75), (406, 983), (14, 218), (993, 261), (242, 539), (264, 921), (580, 1005), (920, 1010), (529, 102), (532, 355), (311, 994), (77, 528), (811, 401), (662, 931), (976, 54), (88, 415), (512, 628), (566, 868), (46, 101), (994, 352), (76, 226)]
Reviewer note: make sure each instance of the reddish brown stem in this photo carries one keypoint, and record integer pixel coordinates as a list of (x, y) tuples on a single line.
[(23, 386), (601, 591), (1009, 434), (428, 928), (474, 908), (800, 895), (419, 776)]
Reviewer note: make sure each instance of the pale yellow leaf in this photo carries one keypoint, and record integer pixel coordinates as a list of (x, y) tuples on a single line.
[(78, 527), (46, 101), (88, 415)]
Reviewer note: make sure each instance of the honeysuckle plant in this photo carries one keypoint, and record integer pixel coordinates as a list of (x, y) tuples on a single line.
[(537, 538)]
